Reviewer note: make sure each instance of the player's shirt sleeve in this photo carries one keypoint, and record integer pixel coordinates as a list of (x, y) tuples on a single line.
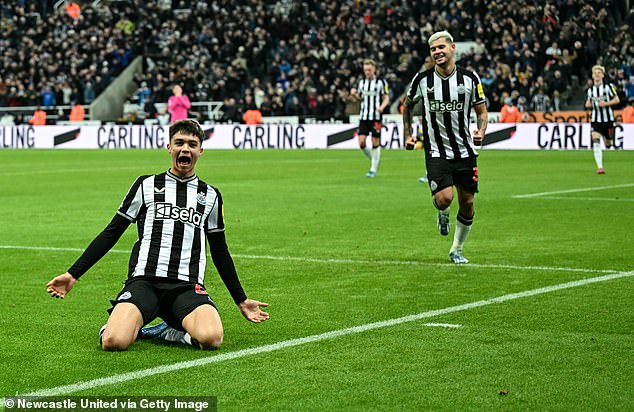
[(220, 255), (215, 221), (100, 246), (611, 92), (477, 97), (414, 90), (133, 201), (224, 264)]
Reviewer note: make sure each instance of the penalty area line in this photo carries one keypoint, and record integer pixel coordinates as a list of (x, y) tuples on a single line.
[(143, 373)]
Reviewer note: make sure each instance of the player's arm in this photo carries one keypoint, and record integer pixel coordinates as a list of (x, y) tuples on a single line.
[(386, 99), (59, 286), (408, 108), (221, 257), (482, 120), (614, 101)]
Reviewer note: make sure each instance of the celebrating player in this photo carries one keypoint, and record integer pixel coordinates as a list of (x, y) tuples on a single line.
[(174, 211), (448, 92)]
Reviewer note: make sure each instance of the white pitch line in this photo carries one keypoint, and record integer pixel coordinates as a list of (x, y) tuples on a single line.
[(143, 373), (348, 261), (585, 189), (443, 325), (601, 199)]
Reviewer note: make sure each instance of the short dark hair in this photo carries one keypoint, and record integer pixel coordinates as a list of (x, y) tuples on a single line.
[(187, 126)]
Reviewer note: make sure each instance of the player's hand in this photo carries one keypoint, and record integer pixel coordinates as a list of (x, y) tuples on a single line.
[(60, 285), (478, 137), (251, 310), (410, 143)]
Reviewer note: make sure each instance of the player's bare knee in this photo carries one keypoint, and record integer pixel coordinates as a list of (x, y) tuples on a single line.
[(209, 339), (114, 342), (442, 201)]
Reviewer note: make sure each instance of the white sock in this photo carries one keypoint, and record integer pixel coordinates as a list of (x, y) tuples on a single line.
[(598, 154), (367, 150), (376, 158), (463, 227)]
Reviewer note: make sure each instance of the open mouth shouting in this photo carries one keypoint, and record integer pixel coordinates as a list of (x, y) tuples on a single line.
[(184, 160)]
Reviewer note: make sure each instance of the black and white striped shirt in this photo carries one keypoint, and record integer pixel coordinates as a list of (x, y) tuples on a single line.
[(601, 93), (446, 106), (173, 216), (372, 92)]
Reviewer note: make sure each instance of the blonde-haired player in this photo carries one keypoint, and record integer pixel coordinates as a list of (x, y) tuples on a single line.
[(601, 97), (374, 95)]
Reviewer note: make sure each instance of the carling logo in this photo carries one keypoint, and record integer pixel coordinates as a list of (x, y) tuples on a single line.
[(166, 211)]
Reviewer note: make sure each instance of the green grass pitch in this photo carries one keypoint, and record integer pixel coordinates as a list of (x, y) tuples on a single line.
[(330, 250)]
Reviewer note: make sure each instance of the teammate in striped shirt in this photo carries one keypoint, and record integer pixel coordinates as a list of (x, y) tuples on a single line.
[(448, 92), (174, 211), (601, 97), (374, 95)]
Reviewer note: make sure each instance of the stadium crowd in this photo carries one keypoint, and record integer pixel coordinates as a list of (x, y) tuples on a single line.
[(302, 58)]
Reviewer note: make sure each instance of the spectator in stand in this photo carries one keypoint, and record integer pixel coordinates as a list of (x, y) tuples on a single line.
[(39, 117), (565, 62), (560, 85), (540, 102), (309, 40), (628, 112), (230, 113), (509, 112), (89, 91), (178, 104), (522, 107), (77, 112), (142, 93), (252, 115), (556, 101), (48, 97), (352, 104), (7, 119), (73, 10)]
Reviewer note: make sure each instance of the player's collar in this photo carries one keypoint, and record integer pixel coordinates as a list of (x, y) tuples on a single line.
[(181, 179), (455, 67)]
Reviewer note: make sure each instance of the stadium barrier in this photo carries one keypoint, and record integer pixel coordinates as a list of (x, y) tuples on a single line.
[(520, 136)]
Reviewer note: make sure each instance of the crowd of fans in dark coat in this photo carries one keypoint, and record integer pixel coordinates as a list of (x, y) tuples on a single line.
[(303, 57)]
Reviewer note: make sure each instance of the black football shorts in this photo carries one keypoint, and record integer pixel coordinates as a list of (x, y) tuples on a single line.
[(443, 173), (367, 126), (605, 129), (169, 299)]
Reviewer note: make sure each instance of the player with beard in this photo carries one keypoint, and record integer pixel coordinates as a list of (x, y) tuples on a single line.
[(175, 211)]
